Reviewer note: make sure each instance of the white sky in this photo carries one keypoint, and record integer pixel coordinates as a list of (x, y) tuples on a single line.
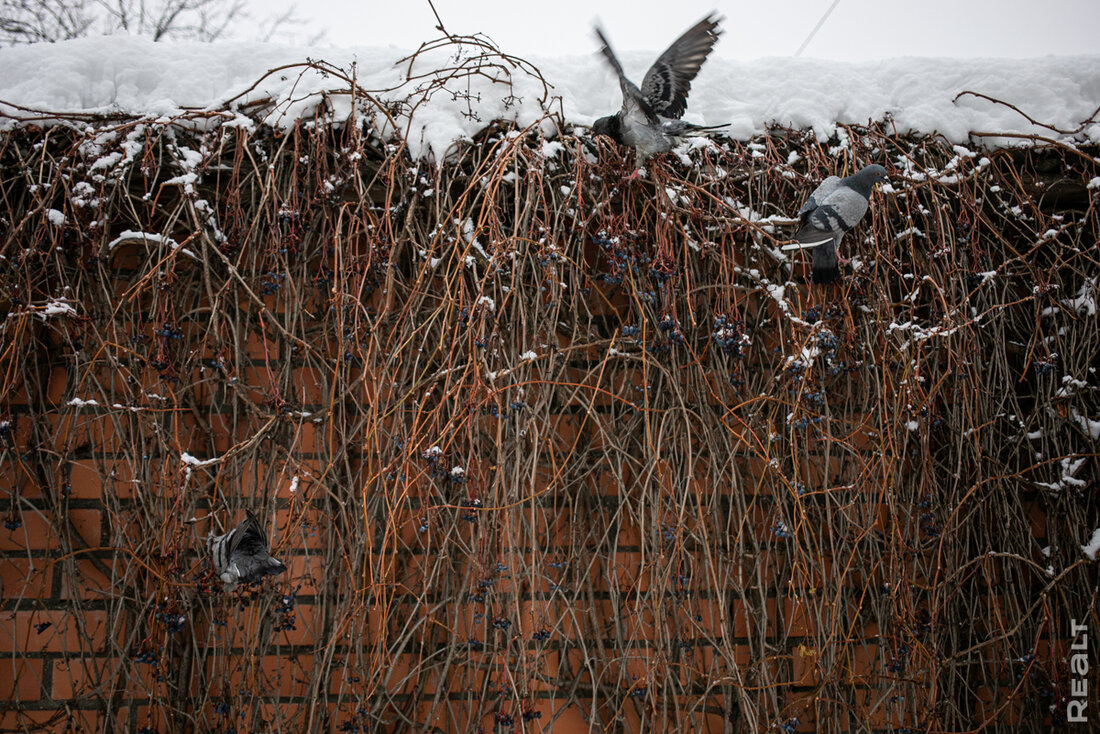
[(857, 30)]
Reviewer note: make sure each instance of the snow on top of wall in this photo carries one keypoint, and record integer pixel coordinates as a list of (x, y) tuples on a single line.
[(131, 76)]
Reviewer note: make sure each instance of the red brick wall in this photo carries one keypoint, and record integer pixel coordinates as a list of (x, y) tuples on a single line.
[(836, 524)]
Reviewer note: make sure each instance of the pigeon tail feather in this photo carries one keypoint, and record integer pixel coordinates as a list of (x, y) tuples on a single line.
[(825, 276), (684, 129)]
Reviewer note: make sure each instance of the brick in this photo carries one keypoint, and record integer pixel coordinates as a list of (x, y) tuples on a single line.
[(65, 632), (228, 433), (825, 470), (22, 578), (15, 393), (707, 618), (82, 578), (127, 255), (85, 481), (87, 526), (35, 721), (21, 679), (405, 674), (118, 386), (609, 300), (805, 668), (273, 717), (310, 438), (57, 385), (880, 712), (697, 665), (799, 615), (279, 675), (122, 479), (567, 716), (260, 378), (298, 527), (1001, 707), (80, 721), (815, 578), (533, 616), (270, 480), (864, 664), (348, 677), (34, 533), (125, 530), (308, 572), (805, 709), (746, 616), (73, 427), (17, 484), (312, 389), (307, 619), (262, 346), (83, 677), (625, 568), (1038, 520), (998, 613), (726, 656), (150, 717), (274, 303), (287, 675), (567, 433)]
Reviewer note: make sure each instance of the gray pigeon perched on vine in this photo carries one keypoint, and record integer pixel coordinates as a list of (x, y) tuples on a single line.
[(241, 555), (649, 120), (834, 207)]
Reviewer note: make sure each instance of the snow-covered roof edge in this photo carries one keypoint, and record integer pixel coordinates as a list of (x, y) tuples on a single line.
[(450, 92)]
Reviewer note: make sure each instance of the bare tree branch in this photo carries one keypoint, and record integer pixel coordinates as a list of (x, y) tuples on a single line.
[(31, 21), (35, 21)]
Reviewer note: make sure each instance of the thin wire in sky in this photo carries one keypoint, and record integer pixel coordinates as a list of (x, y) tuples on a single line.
[(817, 28)]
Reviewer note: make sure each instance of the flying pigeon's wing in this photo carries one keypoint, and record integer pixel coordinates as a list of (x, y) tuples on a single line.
[(252, 539), (250, 556), (826, 187), (241, 555), (668, 81), (635, 105)]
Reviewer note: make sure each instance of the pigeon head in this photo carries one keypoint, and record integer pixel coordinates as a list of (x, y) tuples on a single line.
[(611, 126), (876, 172), (864, 180)]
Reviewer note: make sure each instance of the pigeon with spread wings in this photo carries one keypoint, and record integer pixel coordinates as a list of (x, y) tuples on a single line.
[(241, 555), (835, 207), (649, 120)]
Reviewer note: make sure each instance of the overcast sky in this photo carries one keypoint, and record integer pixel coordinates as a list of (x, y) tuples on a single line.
[(857, 30)]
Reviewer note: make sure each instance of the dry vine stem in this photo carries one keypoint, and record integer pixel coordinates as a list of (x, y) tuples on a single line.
[(543, 451)]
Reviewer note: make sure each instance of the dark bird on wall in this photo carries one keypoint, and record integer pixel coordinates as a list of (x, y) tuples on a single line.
[(834, 207), (649, 120), (241, 555)]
